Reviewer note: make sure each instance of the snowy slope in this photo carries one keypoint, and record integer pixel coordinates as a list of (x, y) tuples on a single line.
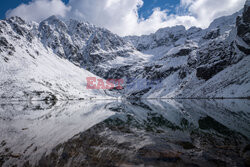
[(29, 71)]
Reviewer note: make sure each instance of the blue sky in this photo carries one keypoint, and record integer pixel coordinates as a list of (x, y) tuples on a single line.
[(145, 11), (9, 5), (119, 16)]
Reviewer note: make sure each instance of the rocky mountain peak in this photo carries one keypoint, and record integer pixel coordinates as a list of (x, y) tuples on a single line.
[(55, 23), (16, 20)]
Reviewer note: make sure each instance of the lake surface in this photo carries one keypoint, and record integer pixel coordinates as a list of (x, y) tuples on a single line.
[(126, 133)]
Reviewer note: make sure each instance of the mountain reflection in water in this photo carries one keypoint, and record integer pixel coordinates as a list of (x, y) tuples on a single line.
[(126, 133)]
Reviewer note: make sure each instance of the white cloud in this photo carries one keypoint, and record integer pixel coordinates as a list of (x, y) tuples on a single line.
[(121, 16), (38, 10), (208, 10)]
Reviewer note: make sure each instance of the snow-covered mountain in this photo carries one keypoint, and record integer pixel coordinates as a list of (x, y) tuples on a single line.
[(197, 63), (29, 70), (54, 57)]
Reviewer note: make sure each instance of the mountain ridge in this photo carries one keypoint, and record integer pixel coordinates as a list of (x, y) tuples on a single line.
[(193, 63)]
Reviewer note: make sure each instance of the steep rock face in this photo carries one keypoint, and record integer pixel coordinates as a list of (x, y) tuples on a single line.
[(92, 48), (72, 39), (243, 27)]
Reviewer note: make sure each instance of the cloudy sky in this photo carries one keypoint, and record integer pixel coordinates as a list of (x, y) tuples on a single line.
[(126, 17)]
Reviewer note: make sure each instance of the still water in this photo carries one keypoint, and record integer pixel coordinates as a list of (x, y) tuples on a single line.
[(126, 133)]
